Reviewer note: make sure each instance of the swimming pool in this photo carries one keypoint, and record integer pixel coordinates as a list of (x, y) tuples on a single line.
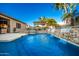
[(38, 45)]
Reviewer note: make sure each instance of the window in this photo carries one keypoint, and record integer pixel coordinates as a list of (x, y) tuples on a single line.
[(3, 21), (18, 25)]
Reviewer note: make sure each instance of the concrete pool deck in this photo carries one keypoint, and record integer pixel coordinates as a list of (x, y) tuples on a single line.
[(10, 36)]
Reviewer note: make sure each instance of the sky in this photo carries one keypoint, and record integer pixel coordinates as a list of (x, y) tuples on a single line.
[(30, 12)]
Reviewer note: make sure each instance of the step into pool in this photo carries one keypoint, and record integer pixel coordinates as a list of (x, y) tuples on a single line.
[(42, 44)]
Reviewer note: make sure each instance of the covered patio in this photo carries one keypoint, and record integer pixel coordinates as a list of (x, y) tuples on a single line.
[(4, 25)]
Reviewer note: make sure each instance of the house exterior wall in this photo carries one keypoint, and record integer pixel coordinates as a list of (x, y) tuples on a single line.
[(12, 25), (23, 28)]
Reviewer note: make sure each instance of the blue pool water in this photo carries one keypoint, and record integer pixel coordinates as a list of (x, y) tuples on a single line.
[(38, 45)]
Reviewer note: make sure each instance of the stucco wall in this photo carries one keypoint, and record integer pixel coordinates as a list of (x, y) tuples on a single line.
[(13, 25), (23, 28)]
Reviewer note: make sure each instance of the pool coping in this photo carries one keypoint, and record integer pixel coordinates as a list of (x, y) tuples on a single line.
[(66, 40)]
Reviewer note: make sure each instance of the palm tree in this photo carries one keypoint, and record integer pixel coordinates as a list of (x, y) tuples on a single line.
[(71, 15), (72, 7), (69, 10), (48, 21), (51, 22), (68, 18), (43, 19), (62, 6)]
